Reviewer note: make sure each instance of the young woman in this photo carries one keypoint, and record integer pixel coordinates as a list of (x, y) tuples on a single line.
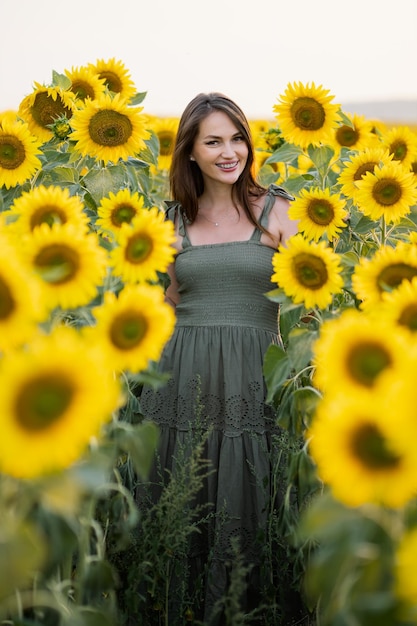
[(228, 228)]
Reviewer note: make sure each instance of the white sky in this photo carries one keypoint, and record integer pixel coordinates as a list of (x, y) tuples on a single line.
[(361, 50)]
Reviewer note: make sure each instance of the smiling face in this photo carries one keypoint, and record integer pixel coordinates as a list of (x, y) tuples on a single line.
[(220, 150)]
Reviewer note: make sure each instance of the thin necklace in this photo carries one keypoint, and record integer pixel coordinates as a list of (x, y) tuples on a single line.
[(209, 220)]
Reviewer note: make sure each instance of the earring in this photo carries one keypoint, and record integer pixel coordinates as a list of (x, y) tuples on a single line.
[(192, 158)]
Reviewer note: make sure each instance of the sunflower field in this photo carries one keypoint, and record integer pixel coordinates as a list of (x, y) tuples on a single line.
[(84, 253)]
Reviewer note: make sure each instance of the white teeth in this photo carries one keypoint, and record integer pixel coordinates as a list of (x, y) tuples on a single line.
[(227, 166)]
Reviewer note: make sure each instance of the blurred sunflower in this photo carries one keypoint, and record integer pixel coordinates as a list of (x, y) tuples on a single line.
[(308, 272), (401, 143), (306, 115), (400, 306), (384, 272), (360, 349), (116, 77), (389, 191), (320, 213), (85, 83), (43, 107), (70, 263), (144, 247), (133, 327), (21, 307), (19, 151), (358, 165), (165, 128), (108, 129), (357, 136), (354, 442), (118, 209), (405, 580), (56, 395), (47, 205)]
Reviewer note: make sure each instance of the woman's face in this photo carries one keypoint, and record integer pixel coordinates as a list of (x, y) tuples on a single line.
[(220, 150)]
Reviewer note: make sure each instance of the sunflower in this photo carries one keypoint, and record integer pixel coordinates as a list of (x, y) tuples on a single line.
[(306, 115), (56, 395), (108, 130), (144, 247), (20, 300), (319, 212), (357, 136), (384, 272), (404, 571), (166, 131), (47, 205), (400, 306), (401, 143), (389, 191), (43, 107), (307, 272), (359, 164), (115, 76), (360, 349), (70, 263), (133, 327), (266, 136), (85, 83), (354, 442), (118, 209), (18, 152)]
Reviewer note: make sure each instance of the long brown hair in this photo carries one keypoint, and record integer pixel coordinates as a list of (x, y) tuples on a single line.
[(186, 180)]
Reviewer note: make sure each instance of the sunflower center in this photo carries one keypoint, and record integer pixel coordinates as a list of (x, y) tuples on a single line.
[(393, 275), (408, 317), (12, 152), (127, 330), (166, 143), (139, 248), (124, 213), (370, 447), (310, 270), (347, 136), (366, 361), (112, 81), (46, 110), (42, 401), (387, 191), (307, 113), (7, 302), (110, 128), (83, 90), (399, 150), (57, 264), (363, 169), (320, 212), (47, 215)]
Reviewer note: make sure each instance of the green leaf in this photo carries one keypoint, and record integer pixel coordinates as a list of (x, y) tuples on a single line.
[(287, 153), (139, 441), (276, 370), (321, 157), (299, 347), (60, 80), (101, 182)]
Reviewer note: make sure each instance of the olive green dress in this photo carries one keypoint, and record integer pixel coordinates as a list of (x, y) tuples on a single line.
[(224, 326)]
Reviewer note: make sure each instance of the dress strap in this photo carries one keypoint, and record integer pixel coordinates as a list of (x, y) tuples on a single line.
[(272, 193), (173, 209)]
